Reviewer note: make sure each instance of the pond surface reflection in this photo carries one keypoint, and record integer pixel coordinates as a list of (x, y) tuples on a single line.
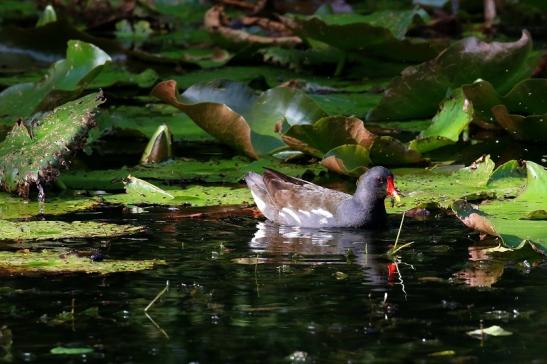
[(245, 291)]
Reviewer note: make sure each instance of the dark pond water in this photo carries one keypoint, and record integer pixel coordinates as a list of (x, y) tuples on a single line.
[(314, 297)]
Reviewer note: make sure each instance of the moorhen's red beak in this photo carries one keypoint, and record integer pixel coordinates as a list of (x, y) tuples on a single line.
[(392, 190)]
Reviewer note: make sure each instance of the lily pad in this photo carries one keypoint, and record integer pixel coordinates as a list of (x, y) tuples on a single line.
[(349, 159), (182, 170), (115, 75), (61, 350), (443, 187), (64, 80), (235, 115), (447, 125), (491, 331), (521, 112), (33, 154), (195, 196), (379, 30), (328, 133), (42, 230), (159, 147), (64, 261), (419, 90), (510, 219), (12, 207), (138, 121)]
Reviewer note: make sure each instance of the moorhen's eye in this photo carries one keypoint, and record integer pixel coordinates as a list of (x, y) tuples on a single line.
[(379, 181)]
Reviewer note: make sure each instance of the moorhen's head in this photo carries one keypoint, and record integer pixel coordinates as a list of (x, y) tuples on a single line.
[(377, 183)]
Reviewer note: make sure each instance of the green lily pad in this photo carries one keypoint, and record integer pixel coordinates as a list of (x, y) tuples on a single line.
[(138, 121), (521, 112), (235, 115), (347, 103), (159, 148), (48, 16), (389, 151), (447, 125), (139, 189), (12, 207), (379, 30), (327, 133), (195, 196), (115, 75), (33, 154), (531, 128), (46, 230), (181, 170), (510, 219), (491, 331), (349, 159), (61, 350), (442, 187), (64, 80), (419, 90), (64, 261)]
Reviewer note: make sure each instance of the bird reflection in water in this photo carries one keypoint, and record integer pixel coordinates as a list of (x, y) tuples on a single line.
[(332, 246)]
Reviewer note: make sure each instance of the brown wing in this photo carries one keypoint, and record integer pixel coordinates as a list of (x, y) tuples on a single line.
[(290, 192)]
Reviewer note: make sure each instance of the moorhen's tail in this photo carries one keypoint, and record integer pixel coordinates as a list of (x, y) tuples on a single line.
[(260, 194)]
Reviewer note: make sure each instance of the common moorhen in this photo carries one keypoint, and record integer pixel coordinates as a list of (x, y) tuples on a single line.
[(291, 201)]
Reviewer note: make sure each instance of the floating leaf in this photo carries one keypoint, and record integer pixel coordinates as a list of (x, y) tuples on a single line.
[(381, 34), (531, 128), (328, 133), (419, 90), (41, 230), (443, 187), (510, 220), (61, 350), (48, 16), (222, 170), (64, 80), (139, 188), (115, 75), (65, 261), (349, 159), (159, 148), (12, 207), (447, 125), (494, 330), (195, 196), (521, 112), (235, 115), (389, 151), (33, 154)]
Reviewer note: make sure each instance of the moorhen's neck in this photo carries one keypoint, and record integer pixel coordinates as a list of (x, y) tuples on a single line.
[(372, 206)]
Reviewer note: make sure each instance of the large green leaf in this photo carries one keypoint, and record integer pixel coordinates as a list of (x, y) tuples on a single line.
[(443, 186), (195, 196), (65, 261), (381, 33), (181, 170), (138, 121), (12, 207), (515, 221), (46, 230), (32, 154), (234, 114), (349, 159), (327, 133), (419, 90), (64, 80), (521, 112), (447, 125)]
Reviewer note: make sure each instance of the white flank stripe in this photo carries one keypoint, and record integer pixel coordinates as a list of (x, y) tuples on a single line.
[(292, 213), (322, 212), (259, 202)]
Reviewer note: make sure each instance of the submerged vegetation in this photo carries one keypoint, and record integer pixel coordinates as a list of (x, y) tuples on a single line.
[(135, 106)]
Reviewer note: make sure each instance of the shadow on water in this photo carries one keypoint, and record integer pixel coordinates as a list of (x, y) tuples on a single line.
[(244, 291)]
